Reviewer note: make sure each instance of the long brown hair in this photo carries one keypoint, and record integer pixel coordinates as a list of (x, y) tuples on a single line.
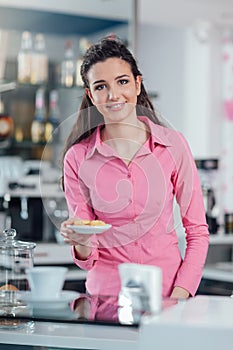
[(89, 118)]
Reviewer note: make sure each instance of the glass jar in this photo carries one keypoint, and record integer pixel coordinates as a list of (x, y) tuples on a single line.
[(15, 258)]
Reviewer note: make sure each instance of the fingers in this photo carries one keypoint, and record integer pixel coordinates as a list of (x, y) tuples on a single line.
[(73, 238), (66, 232), (69, 221), (69, 241)]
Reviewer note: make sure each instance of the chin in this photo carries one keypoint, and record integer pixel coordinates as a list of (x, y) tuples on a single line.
[(126, 114)]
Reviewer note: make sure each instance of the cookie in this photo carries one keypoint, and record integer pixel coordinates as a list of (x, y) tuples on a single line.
[(8, 287), (81, 222), (97, 223)]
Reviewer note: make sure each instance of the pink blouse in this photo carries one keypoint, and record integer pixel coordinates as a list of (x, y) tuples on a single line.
[(138, 201)]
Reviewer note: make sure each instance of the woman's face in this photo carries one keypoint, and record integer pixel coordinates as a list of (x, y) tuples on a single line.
[(113, 89)]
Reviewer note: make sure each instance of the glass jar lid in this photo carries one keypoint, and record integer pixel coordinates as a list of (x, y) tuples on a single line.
[(8, 242)]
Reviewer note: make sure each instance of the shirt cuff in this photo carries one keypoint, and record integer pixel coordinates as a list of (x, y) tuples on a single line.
[(88, 263), (188, 277)]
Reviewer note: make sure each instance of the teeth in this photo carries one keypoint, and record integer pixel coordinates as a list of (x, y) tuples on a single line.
[(116, 106)]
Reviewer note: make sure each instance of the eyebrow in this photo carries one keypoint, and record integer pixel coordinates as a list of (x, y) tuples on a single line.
[(118, 77)]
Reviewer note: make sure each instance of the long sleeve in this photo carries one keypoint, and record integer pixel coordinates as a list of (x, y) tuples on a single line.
[(77, 198), (189, 196), (76, 193)]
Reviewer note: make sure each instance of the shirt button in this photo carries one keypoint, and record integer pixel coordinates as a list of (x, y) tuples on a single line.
[(128, 175), (130, 200)]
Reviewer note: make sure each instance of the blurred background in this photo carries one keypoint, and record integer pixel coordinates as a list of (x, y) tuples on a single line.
[(184, 49)]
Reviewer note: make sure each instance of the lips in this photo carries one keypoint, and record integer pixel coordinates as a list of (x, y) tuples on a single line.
[(115, 106)]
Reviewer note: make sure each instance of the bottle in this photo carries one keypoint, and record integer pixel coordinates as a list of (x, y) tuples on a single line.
[(51, 126), (78, 78), (6, 123), (84, 44), (39, 73), (228, 222), (25, 58), (2, 215), (5, 215), (68, 66), (38, 124)]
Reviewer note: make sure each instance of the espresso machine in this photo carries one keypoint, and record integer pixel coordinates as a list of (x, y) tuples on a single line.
[(208, 172), (21, 202)]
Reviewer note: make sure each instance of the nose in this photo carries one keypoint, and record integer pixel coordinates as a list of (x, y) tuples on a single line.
[(113, 93)]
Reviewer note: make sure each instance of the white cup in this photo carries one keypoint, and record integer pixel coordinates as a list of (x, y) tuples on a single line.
[(46, 281)]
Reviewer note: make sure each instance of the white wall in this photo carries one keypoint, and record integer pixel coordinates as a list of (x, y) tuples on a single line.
[(202, 98), (161, 61), (186, 74)]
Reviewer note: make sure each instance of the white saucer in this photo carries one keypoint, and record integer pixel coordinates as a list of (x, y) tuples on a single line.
[(66, 296), (86, 229)]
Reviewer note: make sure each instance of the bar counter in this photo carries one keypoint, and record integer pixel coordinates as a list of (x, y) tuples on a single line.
[(203, 322)]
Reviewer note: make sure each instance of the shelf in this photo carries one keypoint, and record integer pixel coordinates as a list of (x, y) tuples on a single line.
[(221, 238), (27, 144), (219, 272), (50, 22), (31, 88), (4, 86)]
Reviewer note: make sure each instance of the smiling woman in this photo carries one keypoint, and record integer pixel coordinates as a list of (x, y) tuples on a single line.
[(115, 95), (122, 166)]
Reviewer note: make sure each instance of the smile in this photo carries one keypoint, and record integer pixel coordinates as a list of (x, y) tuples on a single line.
[(116, 106)]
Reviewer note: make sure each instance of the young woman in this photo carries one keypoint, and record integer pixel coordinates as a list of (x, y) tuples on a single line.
[(122, 166)]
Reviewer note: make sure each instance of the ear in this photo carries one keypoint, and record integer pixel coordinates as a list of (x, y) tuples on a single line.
[(89, 94), (138, 84)]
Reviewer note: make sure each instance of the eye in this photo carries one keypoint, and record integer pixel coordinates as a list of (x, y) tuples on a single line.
[(100, 87), (123, 81)]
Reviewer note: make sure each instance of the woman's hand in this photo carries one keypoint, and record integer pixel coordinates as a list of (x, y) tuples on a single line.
[(81, 242), (72, 237), (179, 293)]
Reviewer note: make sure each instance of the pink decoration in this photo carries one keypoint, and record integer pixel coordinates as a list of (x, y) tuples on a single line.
[(228, 108), (225, 57)]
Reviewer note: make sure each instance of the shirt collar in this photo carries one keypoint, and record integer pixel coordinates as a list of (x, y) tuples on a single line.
[(159, 135), (94, 142)]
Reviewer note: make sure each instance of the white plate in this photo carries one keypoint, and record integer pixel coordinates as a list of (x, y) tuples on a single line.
[(86, 229), (62, 301)]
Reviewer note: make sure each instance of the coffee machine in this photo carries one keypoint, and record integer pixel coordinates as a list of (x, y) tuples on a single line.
[(21, 202), (208, 172)]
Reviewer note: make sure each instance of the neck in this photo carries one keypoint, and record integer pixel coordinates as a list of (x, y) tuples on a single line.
[(127, 130), (125, 138)]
